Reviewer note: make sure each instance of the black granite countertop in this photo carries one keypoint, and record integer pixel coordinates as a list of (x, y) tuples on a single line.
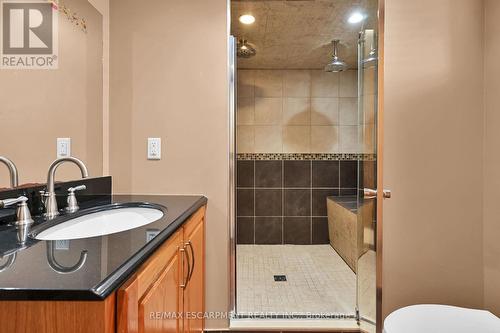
[(110, 259)]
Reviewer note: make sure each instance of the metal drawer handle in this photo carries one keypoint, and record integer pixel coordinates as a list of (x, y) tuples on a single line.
[(186, 278), (190, 274)]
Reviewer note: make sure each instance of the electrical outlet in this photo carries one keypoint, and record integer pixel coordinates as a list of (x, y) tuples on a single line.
[(151, 233), (62, 244), (154, 148), (63, 147)]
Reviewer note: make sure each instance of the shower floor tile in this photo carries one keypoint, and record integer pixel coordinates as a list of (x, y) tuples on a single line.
[(318, 281)]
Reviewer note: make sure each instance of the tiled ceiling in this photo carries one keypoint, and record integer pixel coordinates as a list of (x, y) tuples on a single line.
[(298, 33)]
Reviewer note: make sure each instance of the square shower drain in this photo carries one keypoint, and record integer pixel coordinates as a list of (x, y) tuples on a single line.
[(280, 278)]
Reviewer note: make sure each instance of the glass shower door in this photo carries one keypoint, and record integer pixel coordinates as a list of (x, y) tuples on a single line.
[(367, 178)]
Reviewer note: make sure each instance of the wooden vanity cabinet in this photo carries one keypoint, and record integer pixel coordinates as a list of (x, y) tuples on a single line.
[(167, 293)]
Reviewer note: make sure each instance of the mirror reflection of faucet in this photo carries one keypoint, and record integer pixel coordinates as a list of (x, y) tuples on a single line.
[(23, 224), (23, 231), (59, 268), (11, 258)]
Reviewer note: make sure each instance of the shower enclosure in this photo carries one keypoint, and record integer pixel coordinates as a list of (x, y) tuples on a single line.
[(367, 176), (305, 242)]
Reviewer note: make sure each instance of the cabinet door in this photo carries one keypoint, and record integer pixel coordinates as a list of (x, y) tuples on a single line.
[(159, 308), (151, 300), (194, 294)]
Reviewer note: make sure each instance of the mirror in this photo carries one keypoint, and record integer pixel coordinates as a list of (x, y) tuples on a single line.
[(58, 94)]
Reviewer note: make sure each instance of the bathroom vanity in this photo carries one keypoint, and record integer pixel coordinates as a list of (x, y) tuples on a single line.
[(150, 278)]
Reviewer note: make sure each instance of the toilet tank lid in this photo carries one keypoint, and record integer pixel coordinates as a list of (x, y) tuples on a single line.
[(432, 318)]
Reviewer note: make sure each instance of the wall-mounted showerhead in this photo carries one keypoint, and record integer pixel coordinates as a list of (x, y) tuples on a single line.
[(244, 49), (336, 65)]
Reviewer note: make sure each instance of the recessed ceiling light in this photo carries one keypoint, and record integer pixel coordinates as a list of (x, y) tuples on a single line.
[(247, 19), (356, 18)]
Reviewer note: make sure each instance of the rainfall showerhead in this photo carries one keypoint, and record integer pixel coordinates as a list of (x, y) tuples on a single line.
[(244, 49), (336, 65)]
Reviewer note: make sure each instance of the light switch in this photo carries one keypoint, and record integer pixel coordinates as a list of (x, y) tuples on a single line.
[(63, 147), (154, 148)]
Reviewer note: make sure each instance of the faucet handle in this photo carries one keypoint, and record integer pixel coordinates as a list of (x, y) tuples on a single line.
[(9, 202), (72, 202), (43, 196), (23, 212), (76, 188)]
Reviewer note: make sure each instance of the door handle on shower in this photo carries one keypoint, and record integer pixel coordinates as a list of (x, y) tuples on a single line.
[(369, 193)]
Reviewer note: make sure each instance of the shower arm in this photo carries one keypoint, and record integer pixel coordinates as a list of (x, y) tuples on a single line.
[(335, 48)]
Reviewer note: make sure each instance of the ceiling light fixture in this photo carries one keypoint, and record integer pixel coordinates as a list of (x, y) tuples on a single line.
[(247, 19), (356, 17)]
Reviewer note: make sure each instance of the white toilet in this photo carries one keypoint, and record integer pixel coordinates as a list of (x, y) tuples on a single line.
[(428, 318)]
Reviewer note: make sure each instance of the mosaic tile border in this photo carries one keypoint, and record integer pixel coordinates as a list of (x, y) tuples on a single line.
[(305, 157)]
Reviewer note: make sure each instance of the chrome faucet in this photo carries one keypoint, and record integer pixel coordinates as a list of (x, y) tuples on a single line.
[(51, 209), (14, 178)]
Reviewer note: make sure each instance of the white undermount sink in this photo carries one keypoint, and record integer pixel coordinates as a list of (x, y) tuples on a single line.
[(102, 223)]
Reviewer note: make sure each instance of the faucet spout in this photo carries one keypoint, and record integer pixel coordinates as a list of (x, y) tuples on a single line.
[(14, 177), (51, 207)]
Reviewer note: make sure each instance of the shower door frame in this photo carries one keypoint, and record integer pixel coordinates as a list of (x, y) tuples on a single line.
[(232, 90), (232, 79), (380, 160)]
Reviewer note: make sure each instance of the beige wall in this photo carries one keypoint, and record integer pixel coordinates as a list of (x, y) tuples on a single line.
[(169, 79), (433, 127), (492, 157), (40, 105)]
